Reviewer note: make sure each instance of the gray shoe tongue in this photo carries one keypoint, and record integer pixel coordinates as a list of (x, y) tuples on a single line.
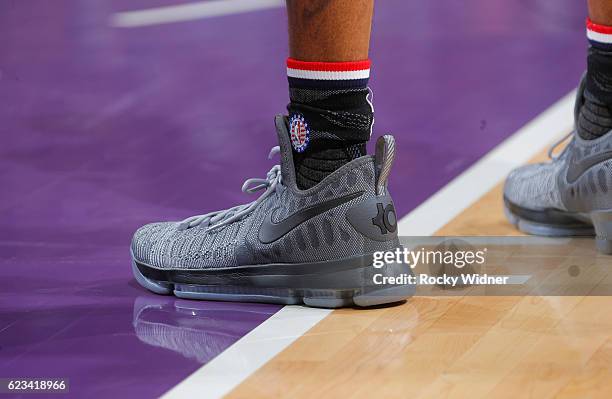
[(286, 152)]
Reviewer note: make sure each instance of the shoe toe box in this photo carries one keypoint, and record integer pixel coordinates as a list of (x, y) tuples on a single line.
[(534, 186), (165, 245), (150, 241)]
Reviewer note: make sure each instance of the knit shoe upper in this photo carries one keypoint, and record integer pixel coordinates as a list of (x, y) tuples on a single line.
[(335, 219), (578, 180), (535, 186)]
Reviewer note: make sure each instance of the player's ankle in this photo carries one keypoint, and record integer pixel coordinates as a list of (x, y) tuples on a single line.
[(330, 116), (595, 117)]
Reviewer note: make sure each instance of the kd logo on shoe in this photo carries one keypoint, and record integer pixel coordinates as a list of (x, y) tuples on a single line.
[(270, 231), (385, 219)]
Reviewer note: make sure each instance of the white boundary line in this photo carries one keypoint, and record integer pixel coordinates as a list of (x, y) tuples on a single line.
[(235, 364), (189, 12), (481, 177), (222, 374)]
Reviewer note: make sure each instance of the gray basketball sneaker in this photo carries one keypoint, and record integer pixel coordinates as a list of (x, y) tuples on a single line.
[(289, 246), (569, 196)]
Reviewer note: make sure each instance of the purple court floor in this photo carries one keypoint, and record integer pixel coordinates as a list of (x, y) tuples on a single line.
[(104, 129)]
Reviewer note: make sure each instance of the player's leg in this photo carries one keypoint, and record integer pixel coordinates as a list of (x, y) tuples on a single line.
[(311, 236), (600, 11), (329, 31), (572, 194), (328, 69)]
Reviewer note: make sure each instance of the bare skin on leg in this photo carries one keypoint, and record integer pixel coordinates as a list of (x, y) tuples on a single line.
[(600, 11), (329, 30)]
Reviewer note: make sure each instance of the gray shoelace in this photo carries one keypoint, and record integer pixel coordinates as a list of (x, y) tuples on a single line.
[(217, 219), (553, 147)]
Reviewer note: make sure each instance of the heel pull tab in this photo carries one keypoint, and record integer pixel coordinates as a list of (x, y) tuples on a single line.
[(385, 153)]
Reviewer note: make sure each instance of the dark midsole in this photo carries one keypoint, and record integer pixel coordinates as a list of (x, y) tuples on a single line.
[(347, 273), (548, 216)]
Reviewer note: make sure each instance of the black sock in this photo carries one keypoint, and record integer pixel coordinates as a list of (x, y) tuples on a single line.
[(330, 116), (595, 116)]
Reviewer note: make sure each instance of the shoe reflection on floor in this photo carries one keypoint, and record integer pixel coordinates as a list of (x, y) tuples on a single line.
[(196, 330)]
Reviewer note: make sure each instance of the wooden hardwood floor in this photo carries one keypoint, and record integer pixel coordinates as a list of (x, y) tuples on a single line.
[(451, 347)]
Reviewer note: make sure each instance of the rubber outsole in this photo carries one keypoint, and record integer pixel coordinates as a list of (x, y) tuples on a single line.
[(547, 229), (599, 225), (364, 294)]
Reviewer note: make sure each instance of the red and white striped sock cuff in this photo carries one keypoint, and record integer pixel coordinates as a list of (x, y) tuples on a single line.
[(599, 35), (353, 70)]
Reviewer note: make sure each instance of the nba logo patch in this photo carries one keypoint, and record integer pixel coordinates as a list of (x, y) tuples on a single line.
[(299, 133)]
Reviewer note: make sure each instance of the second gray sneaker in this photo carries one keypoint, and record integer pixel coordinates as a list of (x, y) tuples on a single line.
[(570, 195)]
